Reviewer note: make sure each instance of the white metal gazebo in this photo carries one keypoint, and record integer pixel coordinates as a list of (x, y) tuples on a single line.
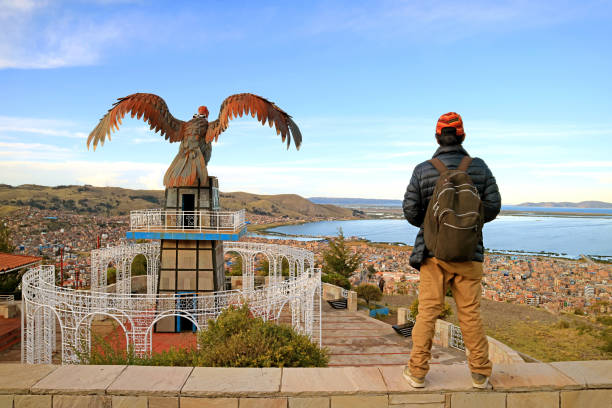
[(50, 311)]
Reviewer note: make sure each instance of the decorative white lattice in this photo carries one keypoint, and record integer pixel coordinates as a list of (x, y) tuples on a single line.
[(47, 306), (121, 257)]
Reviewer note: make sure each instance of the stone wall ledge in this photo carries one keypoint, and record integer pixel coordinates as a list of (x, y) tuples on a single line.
[(562, 384)]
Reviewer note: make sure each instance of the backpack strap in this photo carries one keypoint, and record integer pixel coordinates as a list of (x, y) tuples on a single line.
[(465, 163), (437, 163)]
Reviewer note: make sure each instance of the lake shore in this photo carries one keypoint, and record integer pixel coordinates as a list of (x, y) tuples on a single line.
[(527, 234)]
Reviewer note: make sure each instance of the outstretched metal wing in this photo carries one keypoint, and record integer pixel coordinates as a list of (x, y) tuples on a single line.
[(244, 103), (150, 107)]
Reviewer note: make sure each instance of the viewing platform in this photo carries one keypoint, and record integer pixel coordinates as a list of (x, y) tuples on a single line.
[(187, 225)]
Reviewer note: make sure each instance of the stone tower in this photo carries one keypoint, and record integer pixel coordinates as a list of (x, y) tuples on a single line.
[(191, 229)]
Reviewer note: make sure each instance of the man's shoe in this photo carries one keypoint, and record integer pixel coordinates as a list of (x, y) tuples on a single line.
[(415, 382), (479, 381)]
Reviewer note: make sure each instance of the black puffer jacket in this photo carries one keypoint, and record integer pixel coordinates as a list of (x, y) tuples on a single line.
[(421, 188)]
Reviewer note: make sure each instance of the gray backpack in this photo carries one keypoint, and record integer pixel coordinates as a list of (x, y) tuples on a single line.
[(454, 218)]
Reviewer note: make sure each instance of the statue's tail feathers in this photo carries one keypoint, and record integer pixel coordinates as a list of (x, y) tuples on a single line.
[(187, 168)]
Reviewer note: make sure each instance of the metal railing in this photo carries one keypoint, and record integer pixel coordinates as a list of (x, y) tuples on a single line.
[(456, 337), (7, 298), (187, 221)]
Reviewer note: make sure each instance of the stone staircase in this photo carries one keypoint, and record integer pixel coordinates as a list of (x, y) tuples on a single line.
[(10, 332)]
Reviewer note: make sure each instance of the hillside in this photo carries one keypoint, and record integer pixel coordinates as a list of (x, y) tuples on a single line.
[(535, 331), (119, 201), (565, 204), (291, 205)]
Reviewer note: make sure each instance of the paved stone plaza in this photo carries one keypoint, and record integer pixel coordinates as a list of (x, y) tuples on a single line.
[(355, 339)]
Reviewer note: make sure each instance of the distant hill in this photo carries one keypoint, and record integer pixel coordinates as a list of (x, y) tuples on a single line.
[(119, 201), (366, 202), (356, 201), (291, 205), (565, 204), (82, 199)]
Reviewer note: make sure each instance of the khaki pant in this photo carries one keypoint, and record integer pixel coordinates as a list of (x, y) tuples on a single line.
[(464, 280)]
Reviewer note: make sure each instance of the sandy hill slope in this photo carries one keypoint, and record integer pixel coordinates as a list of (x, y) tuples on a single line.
[(291, 205)]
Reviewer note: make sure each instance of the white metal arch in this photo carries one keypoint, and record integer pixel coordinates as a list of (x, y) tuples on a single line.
[(123, 256), (87, 319), (172, 313), (45, 324)]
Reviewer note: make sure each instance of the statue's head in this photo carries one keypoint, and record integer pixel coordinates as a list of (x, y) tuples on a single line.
[(202, 112)]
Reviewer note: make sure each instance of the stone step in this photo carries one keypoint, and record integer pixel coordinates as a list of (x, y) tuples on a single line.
[(378, 350), (9, 337), (368, 359)]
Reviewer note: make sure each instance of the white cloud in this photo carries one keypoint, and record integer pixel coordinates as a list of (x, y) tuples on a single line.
[(31, 38), (47, 127), (10, 8), (39, 151), (105, 174), (429, 20), (414, 153), (250, 161)]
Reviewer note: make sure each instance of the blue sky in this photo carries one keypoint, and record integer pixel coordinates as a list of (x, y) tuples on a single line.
[(364, 80)]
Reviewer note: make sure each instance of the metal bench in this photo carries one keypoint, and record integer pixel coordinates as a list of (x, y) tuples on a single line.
[(404, 329), (338, 303)]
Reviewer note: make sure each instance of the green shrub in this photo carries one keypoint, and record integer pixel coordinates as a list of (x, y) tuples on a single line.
[(447, 310), (606, 336), (235, 339), (607, 320), (563, 324), (369, 292), (335, 279), (9, 282), (139, 265), (111, 275)]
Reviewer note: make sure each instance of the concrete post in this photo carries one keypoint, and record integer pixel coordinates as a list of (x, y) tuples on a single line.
[(351, 301), (402, 315), (442, 333)]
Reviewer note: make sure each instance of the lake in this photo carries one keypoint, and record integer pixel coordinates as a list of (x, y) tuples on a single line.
[(569, 236)]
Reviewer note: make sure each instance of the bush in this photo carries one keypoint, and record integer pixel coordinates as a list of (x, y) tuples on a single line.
[(110, 351), (235, 339), (447, 310), (111, 275), (607, 338), (335, 279), (369, 292), (9, 282), (139, 265), (607, 320), (563, 324)]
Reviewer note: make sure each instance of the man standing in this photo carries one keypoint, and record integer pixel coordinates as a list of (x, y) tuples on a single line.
[(437, 275), (381, 285)]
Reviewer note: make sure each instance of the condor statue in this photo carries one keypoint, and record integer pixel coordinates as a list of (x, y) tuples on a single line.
[(195, 135)]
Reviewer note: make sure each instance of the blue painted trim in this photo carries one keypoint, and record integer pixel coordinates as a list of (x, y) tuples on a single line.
[(186, 236), (178, 318)]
